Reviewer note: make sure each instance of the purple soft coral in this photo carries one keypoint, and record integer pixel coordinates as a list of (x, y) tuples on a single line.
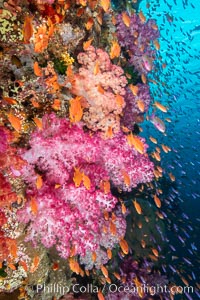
[(141, 282), (132, 113), (137, 40)]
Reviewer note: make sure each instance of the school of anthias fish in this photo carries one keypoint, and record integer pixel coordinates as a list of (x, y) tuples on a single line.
[(92, 171)]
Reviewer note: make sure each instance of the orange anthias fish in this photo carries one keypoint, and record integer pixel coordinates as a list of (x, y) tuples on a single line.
[(24, 265), (106, 186), (155, 252), (105, 4), (136, 143), (126, 177), (15, 122), (117, 275), (109, 253), (35, 264), (139, 287), (168, 120), (165, 148), (154, 26), (123, 208), (153, 140), (126, 19), (157, 173), (158, 149), (156, 44), (152, 257), (137, 207), (144, 79), (115, 50), (120, 100), (172, 177), (94, 256), (38, 122), (134, 89), (157, 201), (104, 271), (106, 215), (114, 218), (143, 244), (96, 68), (156, 155), (39, 182), (141, 105), (74, 265), (124, 246), (160, 170), (109, 132), (78, 177), (27, 29), (87, 44), (75, 110), (113, 228), (142, 17), (10, 100), (89, 23), (86, 181), (160, 106), (34, 206), (37, 69), (108, 280), (12, 266), (100, 89), (100, 296)]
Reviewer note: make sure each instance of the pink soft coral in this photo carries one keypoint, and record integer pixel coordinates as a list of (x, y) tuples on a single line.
[(60, 147), (68, 217), (119, 157), (73, 215), (101, 84)]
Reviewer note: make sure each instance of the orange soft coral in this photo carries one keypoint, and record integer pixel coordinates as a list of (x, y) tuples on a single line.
[(101, 86)]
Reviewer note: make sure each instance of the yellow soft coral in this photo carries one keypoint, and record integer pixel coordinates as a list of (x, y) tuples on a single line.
[(67, 59)]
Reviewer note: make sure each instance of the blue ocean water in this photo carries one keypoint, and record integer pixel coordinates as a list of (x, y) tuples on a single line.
[(179, 25)]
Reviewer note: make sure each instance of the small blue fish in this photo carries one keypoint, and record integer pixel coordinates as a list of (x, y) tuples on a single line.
[(172, 268), (193, 276), (181, 239), (193, 246), (172, 247), (187, 261)]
